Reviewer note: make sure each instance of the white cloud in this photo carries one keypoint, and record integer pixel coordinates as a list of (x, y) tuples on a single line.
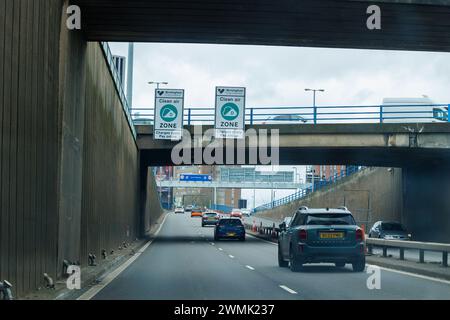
[(276, 76)]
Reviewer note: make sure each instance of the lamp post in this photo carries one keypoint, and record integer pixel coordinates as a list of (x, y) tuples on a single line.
[(158, 83), (314, 101)]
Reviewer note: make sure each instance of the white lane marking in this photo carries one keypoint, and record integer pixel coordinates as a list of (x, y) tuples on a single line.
[(273, 243), (92, 292), (220, 249), (232, 257), (250, 267), (212, 243), (288, 289), (412, 274)]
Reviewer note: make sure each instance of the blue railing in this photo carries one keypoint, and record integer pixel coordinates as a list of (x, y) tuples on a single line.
[(349, 170), (118, 84), (317, 115)]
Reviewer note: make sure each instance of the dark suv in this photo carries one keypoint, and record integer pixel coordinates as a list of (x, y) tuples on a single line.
[(321, 235)]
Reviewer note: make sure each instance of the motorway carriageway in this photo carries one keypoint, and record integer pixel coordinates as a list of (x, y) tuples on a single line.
[(184, 262)]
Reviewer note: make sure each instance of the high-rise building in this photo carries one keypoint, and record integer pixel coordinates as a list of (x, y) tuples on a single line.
[(119, 63)]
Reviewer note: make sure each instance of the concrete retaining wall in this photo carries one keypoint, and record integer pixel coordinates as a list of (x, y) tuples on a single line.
[(371, 195), (69, 165)]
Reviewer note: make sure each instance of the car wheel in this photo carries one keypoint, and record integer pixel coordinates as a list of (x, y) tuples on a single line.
[(203, 224), (340, 264), (216, 238), (294, 264), (281, 262), (242, 238), (359, 265)]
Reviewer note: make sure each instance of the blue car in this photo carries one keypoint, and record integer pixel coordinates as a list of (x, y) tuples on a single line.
[(229, 228), (321, 235)]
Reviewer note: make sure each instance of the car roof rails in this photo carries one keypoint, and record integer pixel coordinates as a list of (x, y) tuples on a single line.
[(303, 208), (343, 208)]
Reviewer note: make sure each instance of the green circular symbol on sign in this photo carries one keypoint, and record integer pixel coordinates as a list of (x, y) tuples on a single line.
[(169, 113), (230, 111)]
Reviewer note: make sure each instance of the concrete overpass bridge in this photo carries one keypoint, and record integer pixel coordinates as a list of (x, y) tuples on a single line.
[(405, 24), (389, 145), (232, 185), (74, 177)]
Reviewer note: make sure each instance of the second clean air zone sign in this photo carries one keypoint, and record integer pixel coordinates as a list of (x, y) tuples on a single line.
[(169, 105), (230, 112)]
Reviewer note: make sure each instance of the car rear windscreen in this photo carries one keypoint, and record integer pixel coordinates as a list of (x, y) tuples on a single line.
[(392, 227), (210, 214), (329, 219), (230, 222)]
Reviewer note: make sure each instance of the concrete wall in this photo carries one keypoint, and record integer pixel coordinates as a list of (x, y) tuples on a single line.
[(69, 165), (152, 206), (29, 140), (427, 202), (371, 195)]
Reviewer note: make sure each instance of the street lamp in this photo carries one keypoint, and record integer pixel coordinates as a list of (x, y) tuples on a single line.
[(314, 101), (158, 83)]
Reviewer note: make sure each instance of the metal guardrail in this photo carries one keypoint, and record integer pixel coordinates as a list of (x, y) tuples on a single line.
[(271, 234), (349, 170), (317, 115), (119, 86), (444, 248)]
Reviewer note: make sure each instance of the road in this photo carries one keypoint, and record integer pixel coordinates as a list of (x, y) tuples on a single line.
[(184, 263)]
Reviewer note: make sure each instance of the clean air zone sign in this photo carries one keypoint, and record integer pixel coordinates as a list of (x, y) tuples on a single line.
[(169, 104), (230, 112)]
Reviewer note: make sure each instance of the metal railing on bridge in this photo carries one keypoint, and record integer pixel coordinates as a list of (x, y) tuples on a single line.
[(349, 170), (407, 113)]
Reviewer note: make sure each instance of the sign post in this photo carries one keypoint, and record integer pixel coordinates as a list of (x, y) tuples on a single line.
[(169, 105), (230, 112)]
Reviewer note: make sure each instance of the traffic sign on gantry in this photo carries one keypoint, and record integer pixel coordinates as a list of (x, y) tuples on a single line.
[(169, 104), (230, 112)]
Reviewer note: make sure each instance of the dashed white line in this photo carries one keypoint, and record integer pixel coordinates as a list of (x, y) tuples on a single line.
[(250, 267), (288, 289), (232, 257), (220, 249), (212, 243)]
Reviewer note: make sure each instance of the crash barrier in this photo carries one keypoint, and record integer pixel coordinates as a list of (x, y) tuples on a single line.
[(444, 248), (268, 233), (271, 234)]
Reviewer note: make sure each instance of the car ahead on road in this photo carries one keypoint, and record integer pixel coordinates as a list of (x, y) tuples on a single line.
[(229, 228), (246, 213), (236, 213), (196, 212), (389, 231), (321, 235), (179, 210), (285, 119), (188, 209), (210, 218)]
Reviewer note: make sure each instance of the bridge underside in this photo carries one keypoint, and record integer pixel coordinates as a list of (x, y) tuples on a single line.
[(376, 157), (405, 25), (387, 145)]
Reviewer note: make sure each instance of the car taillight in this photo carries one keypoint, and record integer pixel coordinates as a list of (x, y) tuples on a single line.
[(359, 235), (303, 235)]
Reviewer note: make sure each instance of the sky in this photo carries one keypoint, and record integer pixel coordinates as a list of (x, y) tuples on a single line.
[(277, 76)]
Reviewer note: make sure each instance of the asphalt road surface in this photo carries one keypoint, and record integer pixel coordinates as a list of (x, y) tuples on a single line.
[(184, 263)]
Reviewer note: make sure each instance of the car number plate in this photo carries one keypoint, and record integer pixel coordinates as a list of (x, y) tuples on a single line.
[(231, 234), (331, 235)]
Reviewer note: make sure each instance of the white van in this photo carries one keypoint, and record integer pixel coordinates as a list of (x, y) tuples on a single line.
[(412, 110)]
